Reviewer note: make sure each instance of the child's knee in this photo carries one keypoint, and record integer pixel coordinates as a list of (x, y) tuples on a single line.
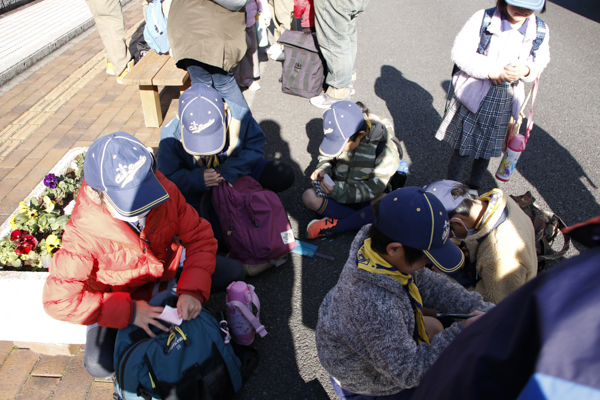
[(311, 200)]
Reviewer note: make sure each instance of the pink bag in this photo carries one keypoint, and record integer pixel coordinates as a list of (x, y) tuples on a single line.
[(240, 318)]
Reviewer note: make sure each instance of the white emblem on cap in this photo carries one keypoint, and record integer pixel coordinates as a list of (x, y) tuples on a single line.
[(446, 231), (197, 128), (328, 130), (126, 173)]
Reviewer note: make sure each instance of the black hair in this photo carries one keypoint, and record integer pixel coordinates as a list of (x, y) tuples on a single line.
[(464, 208), (380, 242), (365, 125), (501, 4)]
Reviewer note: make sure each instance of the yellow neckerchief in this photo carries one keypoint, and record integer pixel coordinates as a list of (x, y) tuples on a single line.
[(370, 261), (493, 198)]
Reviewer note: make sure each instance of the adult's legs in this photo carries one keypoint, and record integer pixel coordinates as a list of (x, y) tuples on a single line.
[(223, 82), (99, 351), (281, 10), (111, 27), (479, 168), (456, 166)]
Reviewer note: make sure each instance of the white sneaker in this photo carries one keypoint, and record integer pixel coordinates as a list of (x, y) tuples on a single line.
[(254, 86), (278, 56), (325, 101)]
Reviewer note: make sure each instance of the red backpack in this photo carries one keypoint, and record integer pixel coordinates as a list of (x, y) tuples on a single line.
[(254, 224)]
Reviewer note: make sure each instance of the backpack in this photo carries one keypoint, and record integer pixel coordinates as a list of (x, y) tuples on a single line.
[(399, 178), (155, 31), (190, 361), (485, 36), (254, 224), (303, 68), (547, 226)]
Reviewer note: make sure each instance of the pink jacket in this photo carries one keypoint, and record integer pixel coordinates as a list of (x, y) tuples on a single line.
[(304, 9), (472, 83)]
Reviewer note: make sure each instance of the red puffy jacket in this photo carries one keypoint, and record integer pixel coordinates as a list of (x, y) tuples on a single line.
[(104, 265)]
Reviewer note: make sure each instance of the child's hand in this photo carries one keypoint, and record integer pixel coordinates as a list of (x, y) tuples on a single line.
[(465, 323), (317, 174), (145, 315), (325, 188), (212, 177), (514, 72), (497, 75)]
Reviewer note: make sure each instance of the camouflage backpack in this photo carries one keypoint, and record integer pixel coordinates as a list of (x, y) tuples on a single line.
[(547, 227)]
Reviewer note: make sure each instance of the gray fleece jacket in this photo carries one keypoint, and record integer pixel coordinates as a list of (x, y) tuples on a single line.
[(366, 323)]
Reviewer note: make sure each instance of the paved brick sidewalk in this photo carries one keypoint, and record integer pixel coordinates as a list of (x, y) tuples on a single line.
[(67, 103)]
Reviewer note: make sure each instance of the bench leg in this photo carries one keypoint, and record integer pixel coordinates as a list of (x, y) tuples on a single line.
[(151, 106), (186, 85)]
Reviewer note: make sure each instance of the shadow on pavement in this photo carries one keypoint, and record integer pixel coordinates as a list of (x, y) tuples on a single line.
[(586, 8)]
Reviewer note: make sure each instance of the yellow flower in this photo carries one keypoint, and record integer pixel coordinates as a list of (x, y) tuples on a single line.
[(53, 244), (23, 208), (13, 223), (32, 213), (49, 204)]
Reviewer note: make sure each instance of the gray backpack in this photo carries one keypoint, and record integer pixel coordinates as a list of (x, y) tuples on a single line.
[(303, 67)]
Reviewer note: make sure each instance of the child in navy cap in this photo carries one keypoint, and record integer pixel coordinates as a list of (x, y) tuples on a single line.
[(359, 156), (372, 336)]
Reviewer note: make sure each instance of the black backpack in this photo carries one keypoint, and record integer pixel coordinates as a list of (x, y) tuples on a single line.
[(303, 68)]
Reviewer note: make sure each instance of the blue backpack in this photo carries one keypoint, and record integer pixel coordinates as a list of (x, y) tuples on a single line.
[(191, 361), (155, 31)]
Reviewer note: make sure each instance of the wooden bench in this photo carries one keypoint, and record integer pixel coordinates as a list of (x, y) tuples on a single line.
[(152, 71)]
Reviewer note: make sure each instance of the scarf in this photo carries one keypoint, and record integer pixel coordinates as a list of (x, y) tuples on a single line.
[(370, 261)]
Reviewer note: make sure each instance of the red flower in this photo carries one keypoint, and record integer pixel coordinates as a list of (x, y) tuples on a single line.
[(24, 248), (16, 235), (30, 240)]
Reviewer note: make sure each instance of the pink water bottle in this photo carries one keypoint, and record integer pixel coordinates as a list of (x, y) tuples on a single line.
[(240, 318), (515, 147)]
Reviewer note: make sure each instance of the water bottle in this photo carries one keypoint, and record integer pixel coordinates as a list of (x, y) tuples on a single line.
[(513, 151), (240, 318)]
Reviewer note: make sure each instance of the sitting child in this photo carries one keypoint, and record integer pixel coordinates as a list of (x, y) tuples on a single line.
[(204, 146), (372, 336), (360, 173)]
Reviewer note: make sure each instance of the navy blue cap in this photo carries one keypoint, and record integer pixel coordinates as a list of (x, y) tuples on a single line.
[(203, 120), (416, 218), (119, 165), (535, 5), (442, 190), (341, 121)]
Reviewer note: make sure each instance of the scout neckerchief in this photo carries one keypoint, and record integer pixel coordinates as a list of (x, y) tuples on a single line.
[(493, 198), (370, 261)]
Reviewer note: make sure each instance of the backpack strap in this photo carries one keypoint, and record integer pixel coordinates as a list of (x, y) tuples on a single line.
[(540, 34), (260, 328), (502, 218), (484, 35)]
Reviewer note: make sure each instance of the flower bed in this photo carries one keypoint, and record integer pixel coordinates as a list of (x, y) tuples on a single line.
[(21, 282), (34, 231)]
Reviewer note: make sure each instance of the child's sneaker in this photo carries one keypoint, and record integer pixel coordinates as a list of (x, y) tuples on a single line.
[(321, 227), (254, 86), (109, 68), (130, 65)]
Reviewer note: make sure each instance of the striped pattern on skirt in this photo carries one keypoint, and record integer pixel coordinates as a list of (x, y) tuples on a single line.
[(479, 135)]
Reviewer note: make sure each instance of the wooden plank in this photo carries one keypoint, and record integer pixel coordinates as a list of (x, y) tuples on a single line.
[(144, 71), (170, 75), (151, 106)]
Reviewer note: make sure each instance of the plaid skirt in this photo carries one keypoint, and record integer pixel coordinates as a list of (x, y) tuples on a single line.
[(480, 135)]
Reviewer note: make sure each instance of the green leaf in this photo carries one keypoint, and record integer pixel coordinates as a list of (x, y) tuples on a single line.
[(33, 201)]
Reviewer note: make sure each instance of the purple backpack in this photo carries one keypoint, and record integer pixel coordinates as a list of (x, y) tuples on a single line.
[(254, 224)]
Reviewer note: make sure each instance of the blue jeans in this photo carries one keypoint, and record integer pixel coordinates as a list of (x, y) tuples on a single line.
[(346, 395), (335, 23), (224, 83)]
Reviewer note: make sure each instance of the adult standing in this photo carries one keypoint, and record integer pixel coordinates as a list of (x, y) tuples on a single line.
[(209, 41), (281, 10), (335, 23), (108, 17)]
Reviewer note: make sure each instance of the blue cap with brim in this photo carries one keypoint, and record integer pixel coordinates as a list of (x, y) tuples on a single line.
[(535, 5), (416, 218), (120, 166), (203, 120), (340, 122), (442, 190)]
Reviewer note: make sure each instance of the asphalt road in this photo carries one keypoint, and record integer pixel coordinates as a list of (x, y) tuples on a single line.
[(403, 68)]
